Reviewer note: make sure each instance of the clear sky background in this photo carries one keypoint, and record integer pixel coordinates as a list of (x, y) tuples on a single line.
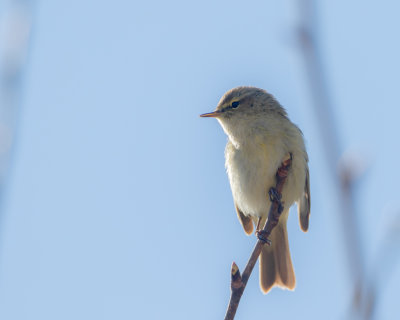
[(117, 204)]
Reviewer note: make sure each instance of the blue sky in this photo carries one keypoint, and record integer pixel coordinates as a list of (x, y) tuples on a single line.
[(117, 203)]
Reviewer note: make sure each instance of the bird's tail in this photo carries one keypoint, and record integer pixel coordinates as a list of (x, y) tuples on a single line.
[(276, 267)]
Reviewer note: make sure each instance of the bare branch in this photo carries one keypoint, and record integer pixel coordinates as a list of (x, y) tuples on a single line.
[(238, 281)]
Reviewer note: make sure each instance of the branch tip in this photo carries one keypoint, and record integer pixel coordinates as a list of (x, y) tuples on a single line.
[(234, 269), (236, 278)]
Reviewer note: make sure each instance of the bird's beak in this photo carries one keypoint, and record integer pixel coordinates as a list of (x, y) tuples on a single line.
[(214, 114)]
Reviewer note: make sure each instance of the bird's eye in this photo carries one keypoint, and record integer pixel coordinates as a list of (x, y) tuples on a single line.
[(235, 104)]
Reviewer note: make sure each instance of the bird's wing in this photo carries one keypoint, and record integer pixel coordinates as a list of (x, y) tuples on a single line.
[(304, 204), (246, 222)]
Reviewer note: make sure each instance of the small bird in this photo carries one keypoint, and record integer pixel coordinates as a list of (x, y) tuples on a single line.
[(260, 138)]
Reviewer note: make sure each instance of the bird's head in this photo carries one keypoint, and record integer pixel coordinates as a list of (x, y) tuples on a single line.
[(243, 108)]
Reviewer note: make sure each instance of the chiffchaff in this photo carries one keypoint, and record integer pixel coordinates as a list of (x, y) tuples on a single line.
[(260, 138)]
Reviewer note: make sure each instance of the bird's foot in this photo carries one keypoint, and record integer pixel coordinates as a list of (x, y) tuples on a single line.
[(262, 235), (275, 196)]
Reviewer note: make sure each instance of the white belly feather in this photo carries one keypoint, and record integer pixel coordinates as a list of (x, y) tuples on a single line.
[(251, 177)]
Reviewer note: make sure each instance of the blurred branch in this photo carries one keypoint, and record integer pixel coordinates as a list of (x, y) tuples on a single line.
[(383, 265), (238, 281), (323, 107), (15, 31)]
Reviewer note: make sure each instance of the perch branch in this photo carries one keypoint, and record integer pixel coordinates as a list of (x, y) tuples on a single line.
[(238, 281)]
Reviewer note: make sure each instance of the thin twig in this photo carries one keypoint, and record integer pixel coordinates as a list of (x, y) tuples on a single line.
[(238, 281)]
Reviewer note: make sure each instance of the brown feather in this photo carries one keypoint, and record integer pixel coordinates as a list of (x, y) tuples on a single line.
[(305, 204), (246, 222), (276, 268)]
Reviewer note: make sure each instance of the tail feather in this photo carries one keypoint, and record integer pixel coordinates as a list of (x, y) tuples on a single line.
[(276, 268), (268, 275)]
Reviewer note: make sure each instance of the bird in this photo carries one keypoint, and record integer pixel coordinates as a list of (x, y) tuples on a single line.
[(260, 138)]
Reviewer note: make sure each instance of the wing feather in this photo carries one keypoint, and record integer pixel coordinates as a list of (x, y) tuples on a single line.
[(246, 222), (304, 204)]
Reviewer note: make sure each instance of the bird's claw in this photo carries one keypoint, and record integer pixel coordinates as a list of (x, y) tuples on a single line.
[(262, 236), (275, 196)]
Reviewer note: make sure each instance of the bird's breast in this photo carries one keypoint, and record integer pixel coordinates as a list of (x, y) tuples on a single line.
[(251, 170)]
